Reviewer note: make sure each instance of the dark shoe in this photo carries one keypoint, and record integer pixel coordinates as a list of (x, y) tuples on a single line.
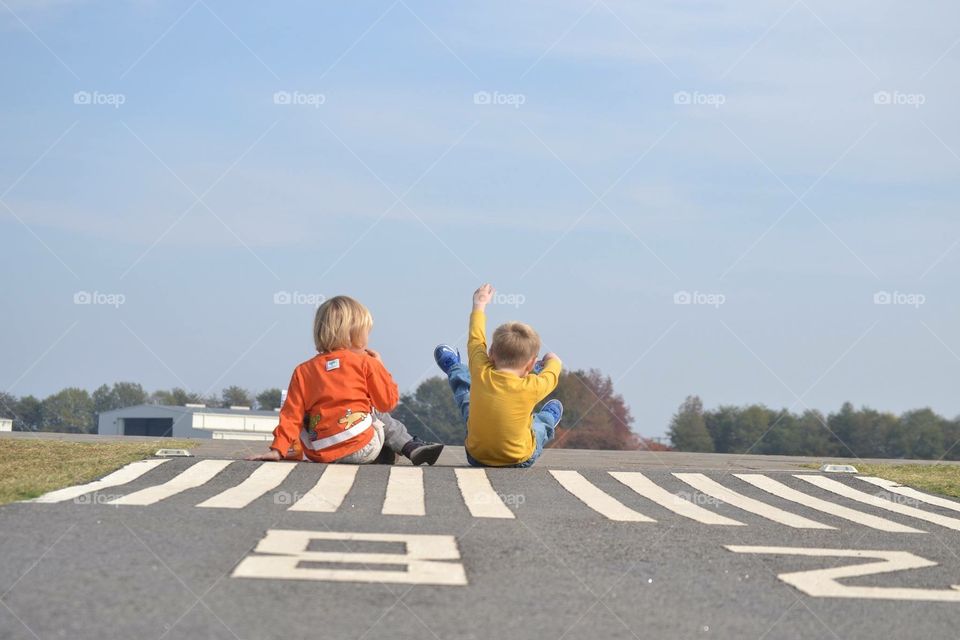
[(420, 452), (387, 456), (446, 356)]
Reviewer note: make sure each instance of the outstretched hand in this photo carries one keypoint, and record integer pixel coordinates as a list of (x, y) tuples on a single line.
[(483, 296), (272, 456)]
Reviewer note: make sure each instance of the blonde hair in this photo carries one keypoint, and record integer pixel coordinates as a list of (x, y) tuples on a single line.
[(341, 322), (514, 343)]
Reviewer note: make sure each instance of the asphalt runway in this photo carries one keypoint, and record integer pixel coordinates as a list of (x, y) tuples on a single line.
[(203, 548)]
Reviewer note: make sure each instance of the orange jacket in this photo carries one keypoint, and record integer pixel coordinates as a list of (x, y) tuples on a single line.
[(329, 394)]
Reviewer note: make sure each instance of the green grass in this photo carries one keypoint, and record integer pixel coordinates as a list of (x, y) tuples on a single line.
[(30, 468), (943, 479)]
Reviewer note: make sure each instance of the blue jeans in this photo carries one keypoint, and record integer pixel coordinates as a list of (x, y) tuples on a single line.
[(543, 422)]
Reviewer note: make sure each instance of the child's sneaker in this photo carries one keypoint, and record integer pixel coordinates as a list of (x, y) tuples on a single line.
[(446, 356), (420, 452), (554, 408), (386, 456)]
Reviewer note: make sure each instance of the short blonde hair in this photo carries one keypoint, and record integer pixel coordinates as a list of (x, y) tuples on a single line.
[(341, 322), (514, 343)]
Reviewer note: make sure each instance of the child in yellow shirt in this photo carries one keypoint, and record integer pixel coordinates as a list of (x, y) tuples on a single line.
[(498, 391)]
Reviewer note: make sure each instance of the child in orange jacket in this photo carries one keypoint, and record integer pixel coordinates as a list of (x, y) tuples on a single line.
[(338, 401)]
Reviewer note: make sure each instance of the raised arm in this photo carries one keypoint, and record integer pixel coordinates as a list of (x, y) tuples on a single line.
[(477, 337)]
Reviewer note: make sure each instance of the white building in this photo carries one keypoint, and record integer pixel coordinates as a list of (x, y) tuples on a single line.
[(6, 424), (190, 421)]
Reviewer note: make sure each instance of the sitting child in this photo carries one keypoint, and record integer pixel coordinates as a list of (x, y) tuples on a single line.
[(498, 393), (337, 401)]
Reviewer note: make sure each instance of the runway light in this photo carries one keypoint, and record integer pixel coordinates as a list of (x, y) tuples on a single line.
[(173, 453), (838, 468)]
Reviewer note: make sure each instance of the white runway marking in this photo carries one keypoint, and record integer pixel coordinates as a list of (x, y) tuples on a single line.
[(478, 494), (783, 491), (327, 495), (642, 485), (425, 559), (404, 492), (267, 476), (121, 476), (822, 583), (876, 501), (712, 488), (196, 475), (601, 502), (899, 489)]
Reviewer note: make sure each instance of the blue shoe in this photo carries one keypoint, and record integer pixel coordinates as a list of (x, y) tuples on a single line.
[(554, 408), (446, 356)]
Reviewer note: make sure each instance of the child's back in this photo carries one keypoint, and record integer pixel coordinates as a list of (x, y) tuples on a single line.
[(336, 391), (497, 393), (328, 413), (502, 402)]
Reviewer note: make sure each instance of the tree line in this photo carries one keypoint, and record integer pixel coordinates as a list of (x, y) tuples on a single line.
[(595, 416), (847, 433), (75, 410)]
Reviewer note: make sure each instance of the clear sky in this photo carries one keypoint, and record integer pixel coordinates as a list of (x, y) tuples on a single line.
[(191, 162)]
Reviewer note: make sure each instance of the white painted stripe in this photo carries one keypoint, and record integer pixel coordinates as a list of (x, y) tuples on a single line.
[(598, 500), (783, 491), (876, 501), (123, 475), (705, 485), (824, 583), (196, 475), (267, 476), (426, 559), (478, 494), (645, 487), (404, 492), (908, 492), (327, 495)]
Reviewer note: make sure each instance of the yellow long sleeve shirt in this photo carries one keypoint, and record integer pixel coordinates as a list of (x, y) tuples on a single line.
[(499, 431)]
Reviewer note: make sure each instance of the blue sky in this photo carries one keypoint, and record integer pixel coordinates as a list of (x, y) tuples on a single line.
[(782, 162)]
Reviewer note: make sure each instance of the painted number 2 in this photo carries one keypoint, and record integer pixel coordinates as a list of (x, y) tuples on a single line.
[(284, 555), (822, 583)]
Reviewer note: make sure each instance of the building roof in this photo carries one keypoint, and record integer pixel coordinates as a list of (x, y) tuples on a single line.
[(165, 409)]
